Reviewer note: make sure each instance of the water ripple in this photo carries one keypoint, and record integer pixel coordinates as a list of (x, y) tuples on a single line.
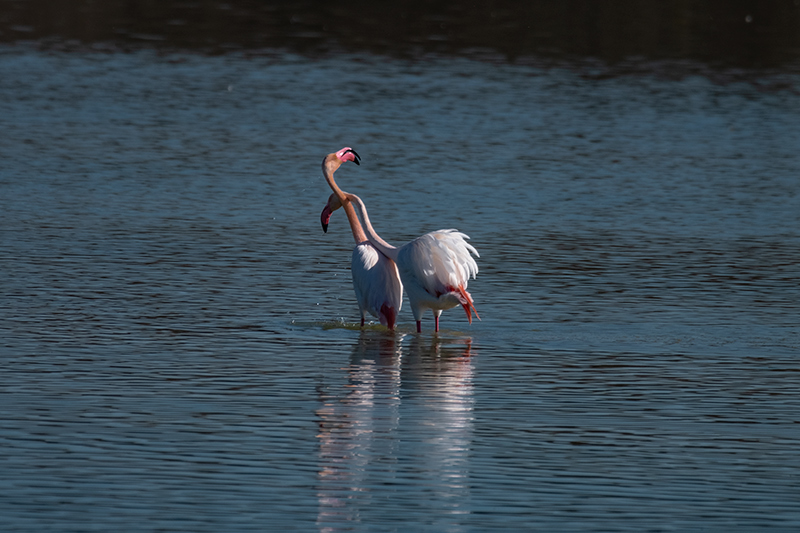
[(177, 334)]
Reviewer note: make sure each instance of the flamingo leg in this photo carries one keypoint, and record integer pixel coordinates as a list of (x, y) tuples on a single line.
[(362, 321), (419, 326), (436, 320)]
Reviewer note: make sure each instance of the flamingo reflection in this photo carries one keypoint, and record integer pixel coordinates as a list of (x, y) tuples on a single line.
[(393, 424)]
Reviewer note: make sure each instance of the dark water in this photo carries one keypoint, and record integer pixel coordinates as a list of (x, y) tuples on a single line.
[(177, 334), (718, 33)]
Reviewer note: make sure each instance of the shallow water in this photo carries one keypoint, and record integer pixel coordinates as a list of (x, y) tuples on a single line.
[(178, 335)]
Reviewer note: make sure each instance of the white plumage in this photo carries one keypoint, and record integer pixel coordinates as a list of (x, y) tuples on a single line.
[(434, 266), (377, 284)]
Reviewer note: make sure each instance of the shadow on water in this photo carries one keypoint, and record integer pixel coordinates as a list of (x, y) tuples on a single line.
[(375, 443)]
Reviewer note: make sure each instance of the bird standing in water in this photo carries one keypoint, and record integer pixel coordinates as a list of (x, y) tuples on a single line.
[(376, 281)]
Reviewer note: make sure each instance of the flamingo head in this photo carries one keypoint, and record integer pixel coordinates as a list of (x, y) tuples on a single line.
[(332, 205), (348, 154)]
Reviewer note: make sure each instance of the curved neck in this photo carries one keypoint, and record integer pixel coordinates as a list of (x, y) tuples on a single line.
[(329, 166), (355, 225), (384, 247)]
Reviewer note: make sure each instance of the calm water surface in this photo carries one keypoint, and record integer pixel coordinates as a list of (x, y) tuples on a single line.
[(178, 340)]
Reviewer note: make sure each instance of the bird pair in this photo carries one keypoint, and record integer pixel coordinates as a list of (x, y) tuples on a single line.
[(434, 268)]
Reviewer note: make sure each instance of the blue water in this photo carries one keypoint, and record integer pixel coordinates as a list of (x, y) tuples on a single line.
[(179, 339)]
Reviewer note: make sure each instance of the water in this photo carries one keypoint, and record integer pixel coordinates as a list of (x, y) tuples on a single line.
[(179, 339), (738, 34)]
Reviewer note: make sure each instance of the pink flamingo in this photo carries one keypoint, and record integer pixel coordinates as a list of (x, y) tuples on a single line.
[(434, 268), (376, 282)]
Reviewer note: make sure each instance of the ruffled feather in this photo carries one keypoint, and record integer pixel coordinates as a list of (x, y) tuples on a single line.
[(440, 261)]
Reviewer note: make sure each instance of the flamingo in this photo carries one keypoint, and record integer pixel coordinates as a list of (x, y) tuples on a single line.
[(376, 282), (434, 268)]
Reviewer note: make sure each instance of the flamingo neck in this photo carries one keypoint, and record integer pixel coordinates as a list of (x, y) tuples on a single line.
[(329, 165), (355, 225), (383, 247)]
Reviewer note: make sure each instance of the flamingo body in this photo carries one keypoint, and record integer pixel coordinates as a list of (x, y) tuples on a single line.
[(435, 269), (377, 285)]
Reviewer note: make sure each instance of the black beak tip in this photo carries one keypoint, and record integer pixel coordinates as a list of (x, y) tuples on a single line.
[(324, 228), (356, 157)]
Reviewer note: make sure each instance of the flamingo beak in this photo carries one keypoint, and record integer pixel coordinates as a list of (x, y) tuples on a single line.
[(356, 157), (325, 217)]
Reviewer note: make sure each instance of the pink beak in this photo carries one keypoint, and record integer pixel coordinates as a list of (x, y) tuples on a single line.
[(325, 217)]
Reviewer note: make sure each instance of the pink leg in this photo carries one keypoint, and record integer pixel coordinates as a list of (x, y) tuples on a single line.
[(362, 321), (436, 318), (419, 326)]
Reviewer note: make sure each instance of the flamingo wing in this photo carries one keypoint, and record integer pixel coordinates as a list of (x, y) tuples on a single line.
[(376, 283), (440, 261)]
